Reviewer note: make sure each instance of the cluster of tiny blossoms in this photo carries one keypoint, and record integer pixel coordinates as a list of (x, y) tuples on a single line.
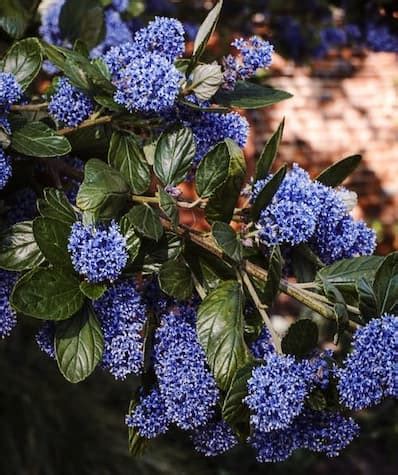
[(98, 253), (306, 211), (8, 318)]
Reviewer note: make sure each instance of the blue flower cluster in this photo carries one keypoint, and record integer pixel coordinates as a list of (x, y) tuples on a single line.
[(263, 347), (143, 72), (10, 91), (255, 53), (45, 338), (380, 38), (49, 29), (122, 316), (5, 169), (69, 105), (214, 438), (323, 367), (8, 317), (370, 371), (318, 431), (100, 253), (307, 211)]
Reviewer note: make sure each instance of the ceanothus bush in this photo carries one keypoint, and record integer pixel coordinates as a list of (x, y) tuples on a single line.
[(92, 242)]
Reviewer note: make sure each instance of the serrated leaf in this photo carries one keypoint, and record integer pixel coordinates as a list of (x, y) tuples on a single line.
[(227, 239), (146, 221), (18, 248), (212, 170), (79, 345), (55, 205), (174, 155), (248, 95), (206, 80), (127, 156), (274, 276), (220, 331), (265, 196), (301, 338), (52, 238), (169, 207), (175, 279), (268, 155), (338, 172), (91, 290), (385, 285), (47, 294), (36, 139), (206, 29), (24, 60)]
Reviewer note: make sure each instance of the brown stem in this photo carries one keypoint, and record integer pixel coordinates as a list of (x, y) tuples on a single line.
[(87, 123)]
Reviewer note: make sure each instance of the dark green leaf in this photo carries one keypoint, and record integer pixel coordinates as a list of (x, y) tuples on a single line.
[(169, 247), (104, 191), (220, 331), (24, 60), (14, 18), (268, 154), (52, 238), (146, 221), (317, 400), (109, 103), (227, 239), (36, 139), (338, 172), (92, 291), (77, 75), (339, 308), (301, 338), (133, 241), (248, 95), (305, 263), (385, 285), (175, 279), (169, 207), (47, 294), (222, 204), (367, 299), (127, 156), (212, 170), (275, 265), (205, 31), (79, 344), (265, 196), (55, 205), (174, 154), (18, 248)]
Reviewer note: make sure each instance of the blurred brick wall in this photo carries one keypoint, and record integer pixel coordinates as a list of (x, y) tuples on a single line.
[(342, 107)]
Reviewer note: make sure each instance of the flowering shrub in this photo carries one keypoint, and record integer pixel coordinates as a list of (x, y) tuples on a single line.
[(94, 247)]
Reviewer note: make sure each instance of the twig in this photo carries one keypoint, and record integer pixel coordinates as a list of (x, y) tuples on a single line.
[(87, 123)]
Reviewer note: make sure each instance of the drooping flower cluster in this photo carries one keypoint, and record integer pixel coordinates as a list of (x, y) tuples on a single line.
[(45, 338), (122, 317), (100, 253), (5, 169), (370, 371), (214, 438), (8, 317), (143, 72), (254, 54), (69, 105), (262, 347), (307, 211)]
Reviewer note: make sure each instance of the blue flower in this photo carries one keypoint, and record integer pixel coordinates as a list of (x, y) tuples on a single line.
[(186, 385), (5, 169), (10, 91), (164, 36), (214, 438), (262, 347), (274, 446), (122, 316), (8, 317), (149, 416), (45, 338), (49, 29), (99, 254), (370, 371), (277, 390), (380, 38), (69, 105)]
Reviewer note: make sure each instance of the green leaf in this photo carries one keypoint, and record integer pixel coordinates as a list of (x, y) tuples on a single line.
[(137, 443), (275, 265), (339, 308), (169, 207), (77, 75), (305, 263), (265, 196), (18, 248), (205, 31), (220, 331), (301, 338), (36, 139), (206, 80), (367, 299), (174, 154), (79, 345), (212, 170), (317, 400), (127, 156), (92, 291), (14, 18), (385, 285), (227, 239), (104, 190), (55, 205), (248, 95), (222, 204), (24, 60), (146, 221), (133, 241), (338, 172), (47, 294), (268, 154), (175, 279), (52, 238), (154, 253)]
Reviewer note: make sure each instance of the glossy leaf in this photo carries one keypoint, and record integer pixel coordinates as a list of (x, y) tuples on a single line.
[(212, 170), (14, 18), (92, 291), (265, 196), (206, 80), (169, 207), (175, 279), (52, 238), (146, 221), (338, 172), (271, 287), (55, 205), (268, 155), (301, 338), (367, 301), (386, 285), (206, 29), (227, 239), (133, 241)]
